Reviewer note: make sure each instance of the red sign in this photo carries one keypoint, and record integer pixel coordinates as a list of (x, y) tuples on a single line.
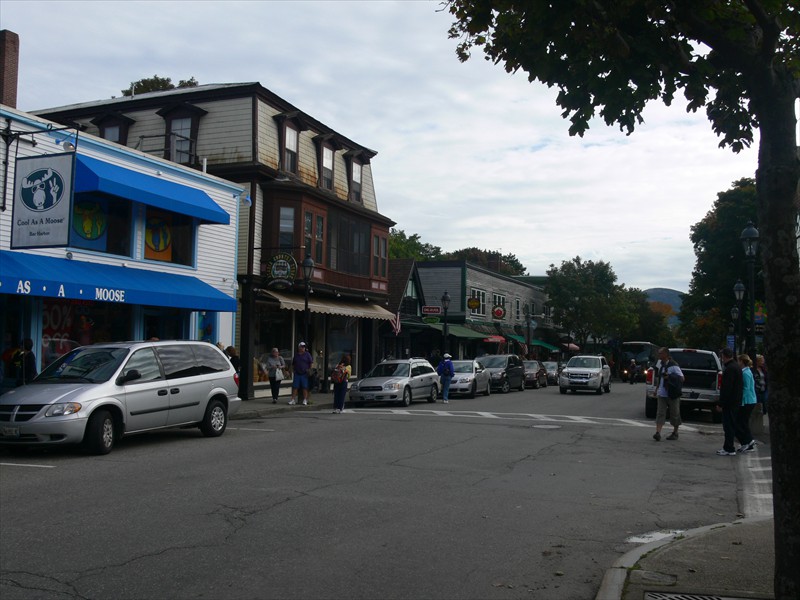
[(431, 310)]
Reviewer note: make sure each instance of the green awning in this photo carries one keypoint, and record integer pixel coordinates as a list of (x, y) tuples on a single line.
[(544, 345), (519, 338), (458, 331)]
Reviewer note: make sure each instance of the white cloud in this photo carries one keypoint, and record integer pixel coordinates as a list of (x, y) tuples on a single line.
[(468, 155)]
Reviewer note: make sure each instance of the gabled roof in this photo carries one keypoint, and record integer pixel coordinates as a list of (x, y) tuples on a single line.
[(400, 271)]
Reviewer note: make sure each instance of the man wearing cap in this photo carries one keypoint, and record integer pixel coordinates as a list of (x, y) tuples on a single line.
[(301, 364), (446, 372)]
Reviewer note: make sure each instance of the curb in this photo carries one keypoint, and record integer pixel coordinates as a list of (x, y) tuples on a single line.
[(613, 584)]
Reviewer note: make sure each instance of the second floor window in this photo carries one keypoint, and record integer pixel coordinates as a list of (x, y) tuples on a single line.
[(169, 237), (313, 235), (481, 296), (378, 256), (101, 225), (290, 150), (498, 300), (286, 227)]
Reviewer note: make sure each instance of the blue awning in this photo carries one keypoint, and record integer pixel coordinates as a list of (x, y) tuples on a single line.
[(92, 175), (35, 275)]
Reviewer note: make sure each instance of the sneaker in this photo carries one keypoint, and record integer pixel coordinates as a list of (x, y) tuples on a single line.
[(657, 436), (274, 400), (672, 436), (305, 402), (723, 452), (446, 401), (749, 447), (292, 401)]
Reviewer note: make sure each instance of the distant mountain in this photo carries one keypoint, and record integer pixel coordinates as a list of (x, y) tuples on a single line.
[(667, 296)]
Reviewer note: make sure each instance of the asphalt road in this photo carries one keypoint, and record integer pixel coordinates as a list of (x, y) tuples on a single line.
[(526, 495)]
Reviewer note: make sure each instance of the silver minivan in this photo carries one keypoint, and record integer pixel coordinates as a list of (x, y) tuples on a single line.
[(96, 394)]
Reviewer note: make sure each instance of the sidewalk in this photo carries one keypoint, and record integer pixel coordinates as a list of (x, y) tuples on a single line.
[(261, 405)]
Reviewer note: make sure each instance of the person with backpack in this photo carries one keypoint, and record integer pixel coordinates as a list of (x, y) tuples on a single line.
[(339, 377), (670, 380), (446, 372)]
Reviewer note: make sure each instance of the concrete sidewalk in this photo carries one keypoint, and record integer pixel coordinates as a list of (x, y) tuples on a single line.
[(261, 405)]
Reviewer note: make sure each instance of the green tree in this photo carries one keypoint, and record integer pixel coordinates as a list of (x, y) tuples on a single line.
[(156, 84), (720, 262), (405, 246), (586, 300), (508, 264), (738, 59)]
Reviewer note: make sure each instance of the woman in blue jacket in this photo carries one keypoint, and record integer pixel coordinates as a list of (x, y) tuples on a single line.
[(748, 403)]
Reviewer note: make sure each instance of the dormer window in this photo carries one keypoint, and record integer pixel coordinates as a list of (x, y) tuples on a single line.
[(327, 168), (113, 127), (182, 127), (290, 150), (355, 183)]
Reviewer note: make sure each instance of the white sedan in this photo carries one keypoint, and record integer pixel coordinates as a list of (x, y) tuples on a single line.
[(470, 378)]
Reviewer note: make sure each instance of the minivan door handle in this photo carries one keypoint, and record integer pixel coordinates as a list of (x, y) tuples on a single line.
[(162, 392), (175, 390)]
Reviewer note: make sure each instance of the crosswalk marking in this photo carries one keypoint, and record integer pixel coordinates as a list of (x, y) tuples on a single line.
[(473, 414)]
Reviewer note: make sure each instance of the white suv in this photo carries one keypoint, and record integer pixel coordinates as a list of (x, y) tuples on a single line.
[(585, 373)]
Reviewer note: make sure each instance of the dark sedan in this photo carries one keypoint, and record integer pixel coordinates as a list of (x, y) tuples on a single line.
[(552, 371), (535, 374)]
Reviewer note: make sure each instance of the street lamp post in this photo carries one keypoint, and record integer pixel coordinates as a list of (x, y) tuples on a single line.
[(445, 307), (749, 240), (738, 292), (528, 316), (308, 271), (735, 325)]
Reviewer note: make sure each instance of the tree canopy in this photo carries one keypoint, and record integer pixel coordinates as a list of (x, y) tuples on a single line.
[(737, 59), (156, 84), (411, 246), (705, 310)]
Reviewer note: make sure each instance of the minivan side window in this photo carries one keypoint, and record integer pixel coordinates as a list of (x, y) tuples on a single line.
[(209, 360), (178, 361), (145, 362)]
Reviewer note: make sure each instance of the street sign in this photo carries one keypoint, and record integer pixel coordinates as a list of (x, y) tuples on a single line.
[(430, 320), (431, 310)]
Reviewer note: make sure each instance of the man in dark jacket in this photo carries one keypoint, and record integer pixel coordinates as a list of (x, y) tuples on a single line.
[(730, 399)]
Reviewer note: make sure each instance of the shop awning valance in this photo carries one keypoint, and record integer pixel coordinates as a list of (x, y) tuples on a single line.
[(92, 175), (36, 275), (544, 345), (331, 307), (457, 330)]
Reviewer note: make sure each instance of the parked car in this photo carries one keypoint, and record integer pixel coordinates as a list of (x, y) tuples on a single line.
[(96, 394), (702, 372), (470, 378), (585, 373), (507, 371), (552, 369), (535, 374), (402, 380)]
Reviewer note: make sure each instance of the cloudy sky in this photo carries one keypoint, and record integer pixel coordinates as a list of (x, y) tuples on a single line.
[(468, 155)]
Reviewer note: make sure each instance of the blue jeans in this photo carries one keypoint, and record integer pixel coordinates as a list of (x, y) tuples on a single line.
[(339, 394), (446, 387)]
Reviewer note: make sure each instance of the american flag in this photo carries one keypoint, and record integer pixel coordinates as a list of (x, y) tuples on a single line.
[(395, 322)]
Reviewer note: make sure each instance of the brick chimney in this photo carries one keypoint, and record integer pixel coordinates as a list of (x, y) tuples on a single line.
[(9, 67)]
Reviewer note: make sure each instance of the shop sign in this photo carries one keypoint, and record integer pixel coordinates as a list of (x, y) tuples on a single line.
[(473, 303), (42, 201), (281, 271), (499, 312), (431, 310), (430, 320)]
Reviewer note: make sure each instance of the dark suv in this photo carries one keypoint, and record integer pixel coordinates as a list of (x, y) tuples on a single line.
[(507, 371)]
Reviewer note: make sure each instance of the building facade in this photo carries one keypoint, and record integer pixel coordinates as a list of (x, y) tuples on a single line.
[(100, 243), (488, 313), (312, 200)]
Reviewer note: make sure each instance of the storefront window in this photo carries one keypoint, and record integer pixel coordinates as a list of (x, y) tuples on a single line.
[(169, 237), (67, 324), (274, 331), (342, 337), (101, 224)]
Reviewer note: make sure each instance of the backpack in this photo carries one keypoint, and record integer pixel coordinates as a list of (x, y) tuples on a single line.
[(339, 374)]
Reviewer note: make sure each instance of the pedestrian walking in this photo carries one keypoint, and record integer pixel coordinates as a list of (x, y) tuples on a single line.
[(743, 433), (730, 399), (301, 365), (668, 394), (340, 376), (274, 366), (233, 356), (446, 372)]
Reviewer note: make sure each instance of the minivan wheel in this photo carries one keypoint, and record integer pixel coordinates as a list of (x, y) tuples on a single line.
[(99, 435), (406, 401), (215, 420)]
